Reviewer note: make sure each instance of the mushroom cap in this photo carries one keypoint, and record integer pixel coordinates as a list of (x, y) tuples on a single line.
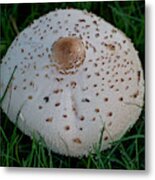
[(68, 103)]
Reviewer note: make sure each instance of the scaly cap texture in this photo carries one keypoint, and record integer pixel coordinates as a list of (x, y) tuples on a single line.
[(76, 74)]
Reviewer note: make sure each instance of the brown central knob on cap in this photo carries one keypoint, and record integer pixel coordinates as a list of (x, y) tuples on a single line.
[(68, 53)]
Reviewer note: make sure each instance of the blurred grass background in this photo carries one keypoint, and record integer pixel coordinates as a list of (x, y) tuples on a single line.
[(17, 149)]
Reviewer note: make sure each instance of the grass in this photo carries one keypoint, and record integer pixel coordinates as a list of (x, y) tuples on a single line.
[(18, 150)]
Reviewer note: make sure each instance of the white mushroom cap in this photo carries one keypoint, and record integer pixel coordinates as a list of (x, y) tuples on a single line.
[(75, 74)]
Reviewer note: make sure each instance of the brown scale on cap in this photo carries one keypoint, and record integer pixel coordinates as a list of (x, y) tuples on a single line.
[(67, 128), (68, 53), (49, 119), (77, 140)]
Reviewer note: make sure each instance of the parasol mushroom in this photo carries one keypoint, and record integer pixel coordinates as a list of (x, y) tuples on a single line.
[(75, 75)]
